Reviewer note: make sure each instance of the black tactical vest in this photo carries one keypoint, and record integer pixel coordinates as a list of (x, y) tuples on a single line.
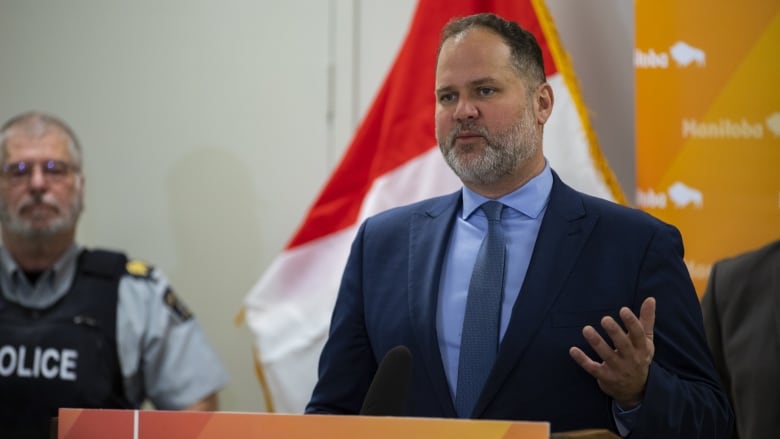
[(65, 355)]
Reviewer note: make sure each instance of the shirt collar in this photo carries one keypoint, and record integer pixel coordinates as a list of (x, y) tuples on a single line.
[(529, 199), (7, 264), (50, 287), (9, 267)]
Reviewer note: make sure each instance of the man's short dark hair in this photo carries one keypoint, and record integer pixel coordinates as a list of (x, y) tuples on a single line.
[(526, 55)]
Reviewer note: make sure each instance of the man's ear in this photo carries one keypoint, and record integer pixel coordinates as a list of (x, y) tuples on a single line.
[(543, 103)]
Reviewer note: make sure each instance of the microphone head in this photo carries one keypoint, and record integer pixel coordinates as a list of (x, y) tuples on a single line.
[(387, 394)]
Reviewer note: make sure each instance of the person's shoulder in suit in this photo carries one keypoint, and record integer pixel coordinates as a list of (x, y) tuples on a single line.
[(743, 277), (616, 217), (429, 206), (765, 257)]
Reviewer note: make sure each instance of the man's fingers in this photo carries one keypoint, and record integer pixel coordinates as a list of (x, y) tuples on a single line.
[(603, 350), (618, 336), (640, 329), (622, 373), (584, 361), (635, 327), (647, 316)]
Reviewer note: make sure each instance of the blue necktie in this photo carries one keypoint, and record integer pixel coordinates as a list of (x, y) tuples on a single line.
[(479, 339)]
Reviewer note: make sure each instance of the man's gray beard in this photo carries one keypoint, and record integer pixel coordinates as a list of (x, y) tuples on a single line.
[(12, 223), (502, 153)]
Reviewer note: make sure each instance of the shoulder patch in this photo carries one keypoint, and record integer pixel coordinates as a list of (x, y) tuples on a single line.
[(176, 306), (138, 268)]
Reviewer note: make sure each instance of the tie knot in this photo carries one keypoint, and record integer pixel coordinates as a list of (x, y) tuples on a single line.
[(492, 210)]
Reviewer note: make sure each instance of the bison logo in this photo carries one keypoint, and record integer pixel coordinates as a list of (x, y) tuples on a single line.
[(684, 54), (773, 124), (682, 195)]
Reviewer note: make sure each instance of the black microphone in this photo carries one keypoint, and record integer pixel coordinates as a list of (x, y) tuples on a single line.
[(387, 394)]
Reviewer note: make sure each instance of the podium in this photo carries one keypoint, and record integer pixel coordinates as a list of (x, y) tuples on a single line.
[(151, 424)]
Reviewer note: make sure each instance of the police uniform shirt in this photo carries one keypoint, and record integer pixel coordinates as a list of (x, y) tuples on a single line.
[(163, 353)]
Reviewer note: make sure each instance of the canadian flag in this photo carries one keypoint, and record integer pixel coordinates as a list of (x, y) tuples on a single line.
[(393, 160)]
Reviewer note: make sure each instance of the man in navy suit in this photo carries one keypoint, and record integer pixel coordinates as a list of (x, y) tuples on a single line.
[(599, 324)]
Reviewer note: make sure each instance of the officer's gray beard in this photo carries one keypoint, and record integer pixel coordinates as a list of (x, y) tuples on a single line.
[(504, 151), (66, 221)]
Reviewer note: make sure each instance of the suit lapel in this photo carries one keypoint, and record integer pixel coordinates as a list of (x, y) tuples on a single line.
[(429, 232), (564, 230)]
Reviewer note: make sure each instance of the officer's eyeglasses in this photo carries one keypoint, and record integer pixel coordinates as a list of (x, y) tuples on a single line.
[(18, 173)]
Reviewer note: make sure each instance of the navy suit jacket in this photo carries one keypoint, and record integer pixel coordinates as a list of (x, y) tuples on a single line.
[(591, 257)]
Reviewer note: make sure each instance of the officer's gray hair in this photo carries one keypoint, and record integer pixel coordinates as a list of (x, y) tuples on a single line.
[(37, 124)]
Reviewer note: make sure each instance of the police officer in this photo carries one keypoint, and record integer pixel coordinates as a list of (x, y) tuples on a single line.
[(78, 327)]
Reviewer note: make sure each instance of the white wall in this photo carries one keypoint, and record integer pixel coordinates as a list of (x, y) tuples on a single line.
[(210, 126)]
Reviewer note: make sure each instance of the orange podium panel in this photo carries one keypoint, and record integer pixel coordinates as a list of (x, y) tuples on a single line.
[(150, 424)]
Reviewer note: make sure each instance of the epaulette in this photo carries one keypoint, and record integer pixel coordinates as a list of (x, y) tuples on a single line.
[(138, 269)]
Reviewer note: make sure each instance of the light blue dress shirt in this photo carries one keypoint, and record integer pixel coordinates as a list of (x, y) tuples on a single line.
[(520, 219)]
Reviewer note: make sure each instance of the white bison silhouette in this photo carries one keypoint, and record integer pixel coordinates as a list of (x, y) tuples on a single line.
[(684, 54), (683, 195), (773, 123)]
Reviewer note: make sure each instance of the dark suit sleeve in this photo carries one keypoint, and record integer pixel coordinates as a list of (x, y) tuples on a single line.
[(347, 363), (683, 397)]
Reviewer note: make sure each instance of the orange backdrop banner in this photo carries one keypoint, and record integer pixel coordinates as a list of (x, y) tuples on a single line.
[(708, 123)]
